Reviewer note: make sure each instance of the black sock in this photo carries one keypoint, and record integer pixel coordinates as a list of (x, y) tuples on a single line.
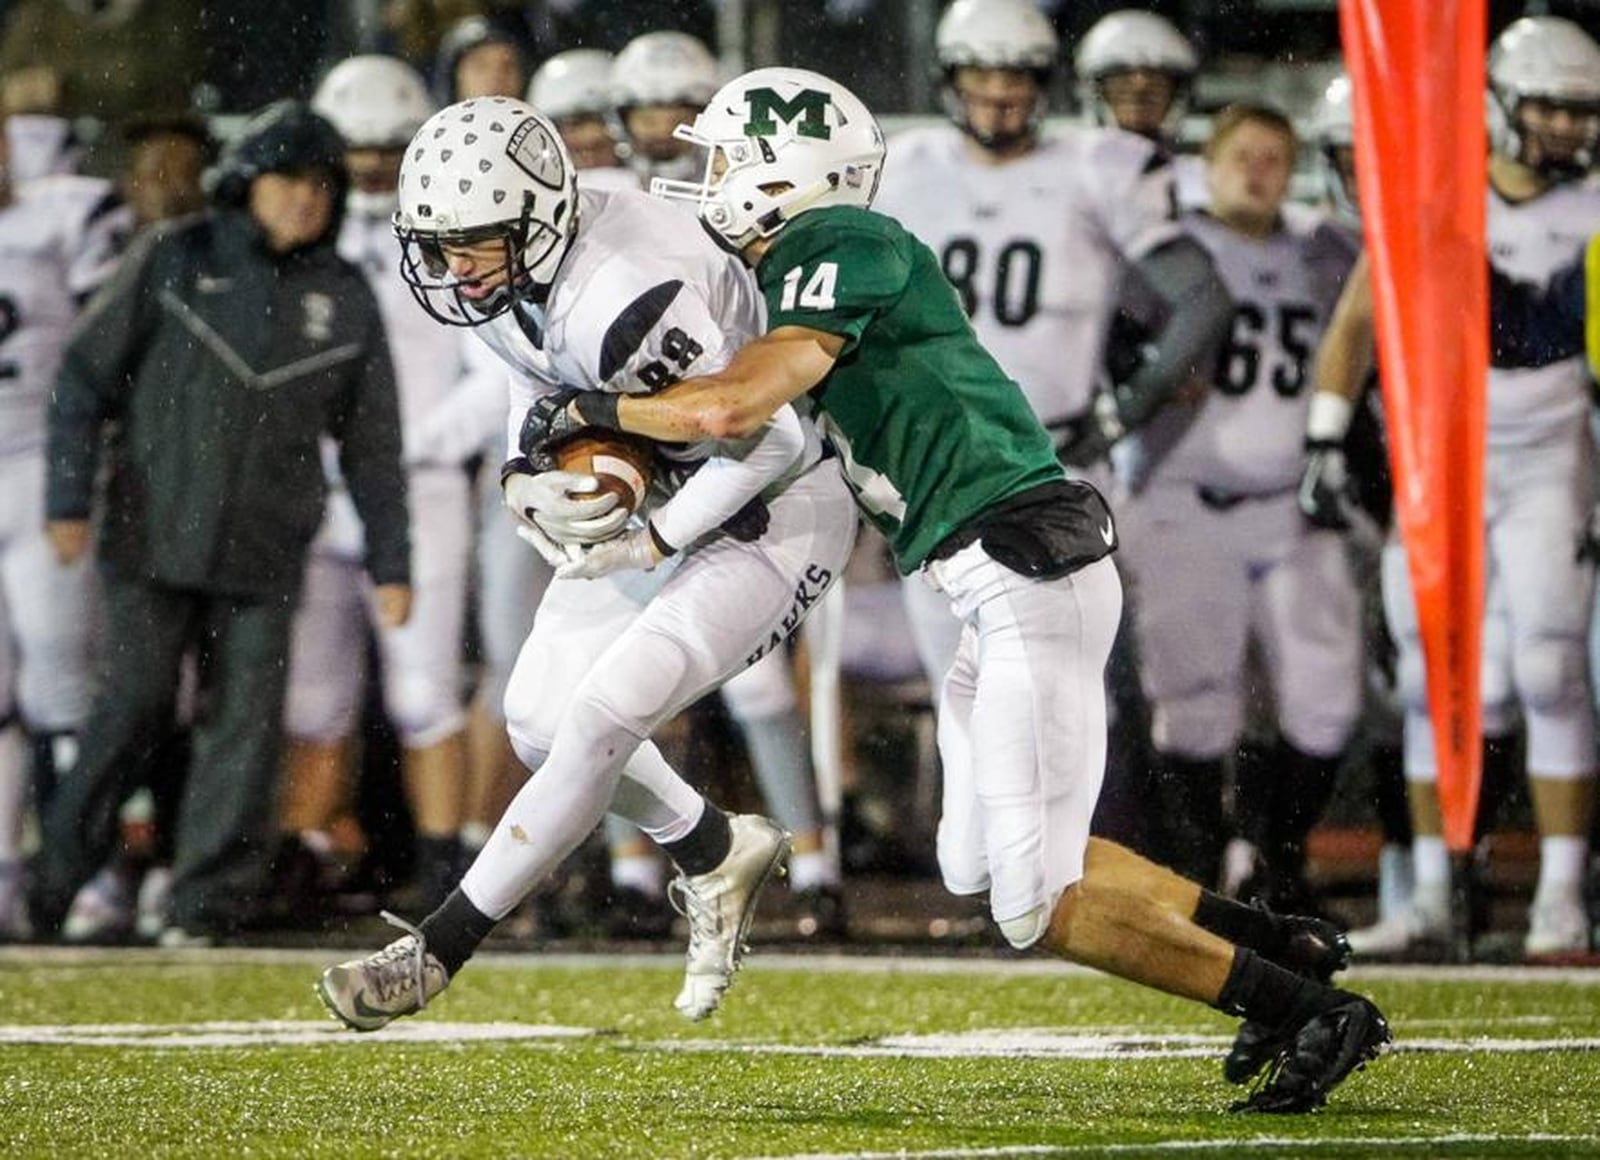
[(454, 931), (1249, 926), (703, 848), (1265, 992)]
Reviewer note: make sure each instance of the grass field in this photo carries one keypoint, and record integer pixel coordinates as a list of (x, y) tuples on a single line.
[(219, 1053)]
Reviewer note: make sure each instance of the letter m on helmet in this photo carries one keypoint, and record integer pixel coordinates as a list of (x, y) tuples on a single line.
[(806, 112)]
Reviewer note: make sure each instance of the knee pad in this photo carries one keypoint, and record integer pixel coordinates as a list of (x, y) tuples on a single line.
[(1025, 930), (1549, 672), (423, 709)]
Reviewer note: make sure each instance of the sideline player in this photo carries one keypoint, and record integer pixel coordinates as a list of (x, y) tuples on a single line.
[(1135, 72), (1219, 548), (1036, 231), (944, 456), (597, 294), (1544, 77), (59, 238), (658, 82)]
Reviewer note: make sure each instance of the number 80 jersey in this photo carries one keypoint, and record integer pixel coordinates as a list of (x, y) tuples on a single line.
[(1035, 246)]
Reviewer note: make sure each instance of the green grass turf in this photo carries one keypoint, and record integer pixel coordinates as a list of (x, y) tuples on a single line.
[(751, 1081)]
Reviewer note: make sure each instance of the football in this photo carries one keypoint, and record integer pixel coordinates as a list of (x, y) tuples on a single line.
[(622, 463)]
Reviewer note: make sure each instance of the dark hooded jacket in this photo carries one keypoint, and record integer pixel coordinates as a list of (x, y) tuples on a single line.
[(215, 366)]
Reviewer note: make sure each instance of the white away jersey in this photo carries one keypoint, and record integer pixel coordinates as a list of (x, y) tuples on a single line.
[(1035, 247), (1247, 437), (643, 299), (1530, 241), (59, 238)]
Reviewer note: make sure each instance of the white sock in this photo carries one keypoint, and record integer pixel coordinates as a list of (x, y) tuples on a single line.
[(1562, 862), (1431, 863), (642, 872), (811, 869)]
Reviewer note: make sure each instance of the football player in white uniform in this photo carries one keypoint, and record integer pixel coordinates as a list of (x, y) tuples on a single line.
[(1544, 78), (658, 82), (661, 80), (1135, 72), (1036, 231), (376, 103), (1217, 543), (59, 236), (598, 294)]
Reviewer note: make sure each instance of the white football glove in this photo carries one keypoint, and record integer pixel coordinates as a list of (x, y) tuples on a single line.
[(556, 555), (634, 549), (560, 503)]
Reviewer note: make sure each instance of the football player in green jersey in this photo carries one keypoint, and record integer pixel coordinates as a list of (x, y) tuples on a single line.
[(945, 456)]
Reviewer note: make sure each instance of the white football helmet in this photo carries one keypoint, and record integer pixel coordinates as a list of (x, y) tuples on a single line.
[(664, 68), (1128, 40), (997, 34), (1544, 58), (779, 142), (1333, 129), (376, 102), (482, 170), (575, 83)]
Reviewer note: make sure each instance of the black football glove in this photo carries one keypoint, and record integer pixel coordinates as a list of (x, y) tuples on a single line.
[(559, 415), (1088, 436), (1325, 487)]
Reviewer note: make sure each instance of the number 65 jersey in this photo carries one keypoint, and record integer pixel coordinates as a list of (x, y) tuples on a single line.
[(1035, 246), (1248, 437)]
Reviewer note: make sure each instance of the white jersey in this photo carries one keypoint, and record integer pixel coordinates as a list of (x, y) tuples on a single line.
[(1036, 246), (59, 238), (643, 299), (1247, 437), (1529, 241)]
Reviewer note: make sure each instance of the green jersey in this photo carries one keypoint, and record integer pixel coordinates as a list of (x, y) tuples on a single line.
[(931, 432)]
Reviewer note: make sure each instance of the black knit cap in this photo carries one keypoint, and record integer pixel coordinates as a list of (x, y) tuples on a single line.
[(284, 137)]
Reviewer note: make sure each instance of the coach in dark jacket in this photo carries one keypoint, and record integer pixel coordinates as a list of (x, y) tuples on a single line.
[(209, 370)]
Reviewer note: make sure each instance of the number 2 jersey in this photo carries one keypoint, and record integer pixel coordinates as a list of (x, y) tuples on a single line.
[(59, 238), (1247, 438), (930, 431), (643, 299), (1035, 246)]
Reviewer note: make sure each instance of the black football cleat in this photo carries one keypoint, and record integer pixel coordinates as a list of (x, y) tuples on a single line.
[(1325, 1049), (1312, 947)]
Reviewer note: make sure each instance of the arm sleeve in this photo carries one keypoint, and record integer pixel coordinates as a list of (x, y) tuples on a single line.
[(368, 432), (1199, 311), (100, 361), (733, 476)]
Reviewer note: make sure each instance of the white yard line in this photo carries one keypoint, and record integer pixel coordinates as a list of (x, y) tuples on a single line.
[(1276, 1144)]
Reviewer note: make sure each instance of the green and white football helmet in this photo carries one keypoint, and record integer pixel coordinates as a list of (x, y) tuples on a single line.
[(779, 142)]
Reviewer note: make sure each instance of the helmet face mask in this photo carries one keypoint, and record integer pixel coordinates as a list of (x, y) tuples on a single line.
[(989, 45), (1333, 133), (1544, 88), (488, 176), (777, 142), (1115, 51)]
